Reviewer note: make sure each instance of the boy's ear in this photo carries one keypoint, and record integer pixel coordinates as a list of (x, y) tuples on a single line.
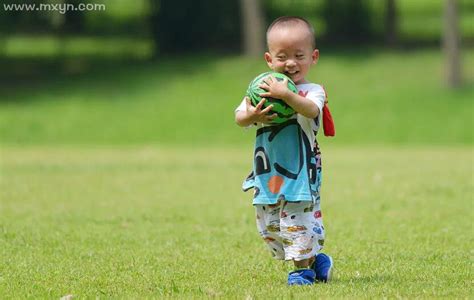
[(268, 59), (315, 56)]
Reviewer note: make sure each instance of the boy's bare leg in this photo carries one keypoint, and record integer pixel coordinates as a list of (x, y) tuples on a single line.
[(301, 264)]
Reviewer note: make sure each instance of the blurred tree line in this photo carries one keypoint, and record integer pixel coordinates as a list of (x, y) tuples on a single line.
[(238, 26), (189, 26)]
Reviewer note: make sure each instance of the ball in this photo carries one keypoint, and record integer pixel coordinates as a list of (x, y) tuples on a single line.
[(284, 111)]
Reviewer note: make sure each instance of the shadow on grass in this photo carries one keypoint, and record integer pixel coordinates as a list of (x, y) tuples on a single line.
[(22, 79)]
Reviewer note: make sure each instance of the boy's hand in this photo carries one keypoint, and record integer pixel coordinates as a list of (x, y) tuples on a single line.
[(275, 89), (257, 114)]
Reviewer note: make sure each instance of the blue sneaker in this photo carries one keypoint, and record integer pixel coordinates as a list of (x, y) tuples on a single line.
[(301, 277), (322, 266)]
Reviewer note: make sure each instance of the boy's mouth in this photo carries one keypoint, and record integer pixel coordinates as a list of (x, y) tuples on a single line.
[(291, 73)]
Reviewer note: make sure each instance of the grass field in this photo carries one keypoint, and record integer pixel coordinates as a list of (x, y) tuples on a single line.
[(377, 97), (125, 181), (167, 221)]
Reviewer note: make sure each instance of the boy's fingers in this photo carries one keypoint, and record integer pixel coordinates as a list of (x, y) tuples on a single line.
[(266, 94), (260, 104), (272, 116), (264, 86), (247, 100), (267, 109)]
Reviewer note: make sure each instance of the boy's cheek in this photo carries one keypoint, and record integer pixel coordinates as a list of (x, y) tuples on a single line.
[(279, 68)]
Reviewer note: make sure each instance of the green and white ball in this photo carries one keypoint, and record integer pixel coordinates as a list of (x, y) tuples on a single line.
[(283, 110)]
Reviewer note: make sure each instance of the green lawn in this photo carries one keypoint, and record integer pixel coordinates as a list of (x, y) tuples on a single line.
[(50, 46), (125, 182), (170, 221), (377, 97)]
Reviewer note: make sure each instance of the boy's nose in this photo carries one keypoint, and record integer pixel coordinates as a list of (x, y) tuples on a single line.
[(290, 63)]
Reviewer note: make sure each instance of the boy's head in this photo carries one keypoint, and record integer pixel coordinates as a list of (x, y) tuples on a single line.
[(291, 47)]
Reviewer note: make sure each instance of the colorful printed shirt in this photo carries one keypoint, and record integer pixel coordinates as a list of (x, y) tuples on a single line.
[(285, 163)]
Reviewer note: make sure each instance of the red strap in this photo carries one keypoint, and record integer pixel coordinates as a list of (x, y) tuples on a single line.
[(328, 122)]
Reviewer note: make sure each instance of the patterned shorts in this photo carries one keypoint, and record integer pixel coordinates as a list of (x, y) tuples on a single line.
[(291, 230)]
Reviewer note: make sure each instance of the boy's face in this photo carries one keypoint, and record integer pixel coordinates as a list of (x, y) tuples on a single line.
[(291, 51)]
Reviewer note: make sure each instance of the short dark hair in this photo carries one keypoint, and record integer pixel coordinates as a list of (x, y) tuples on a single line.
[(292, 20)]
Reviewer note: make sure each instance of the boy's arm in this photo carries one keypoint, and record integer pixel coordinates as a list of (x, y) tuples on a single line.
[(279, 90), (302, 105), (253, 114)]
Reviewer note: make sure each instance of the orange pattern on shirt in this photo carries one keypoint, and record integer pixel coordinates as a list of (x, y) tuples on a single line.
[(275, 183)]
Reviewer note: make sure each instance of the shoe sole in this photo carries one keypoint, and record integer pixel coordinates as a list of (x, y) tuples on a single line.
[(300, 283), (330, 269)]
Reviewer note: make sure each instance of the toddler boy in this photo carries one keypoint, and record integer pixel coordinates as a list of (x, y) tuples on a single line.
[(286, 176)]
